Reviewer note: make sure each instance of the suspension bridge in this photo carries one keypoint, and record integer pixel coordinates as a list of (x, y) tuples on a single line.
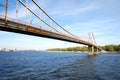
[(25, 27)]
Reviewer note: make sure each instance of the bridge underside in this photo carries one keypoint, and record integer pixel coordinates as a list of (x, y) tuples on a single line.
[(18, 27)]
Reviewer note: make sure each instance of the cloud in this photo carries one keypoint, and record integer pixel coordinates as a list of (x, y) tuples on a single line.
[(67, 27), (108, 40), (72, 9), (23, 39), (21, 11), (2, 33), (98, 26), (93, 24)]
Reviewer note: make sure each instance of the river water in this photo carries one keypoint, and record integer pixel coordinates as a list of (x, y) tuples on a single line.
[(33, 65)]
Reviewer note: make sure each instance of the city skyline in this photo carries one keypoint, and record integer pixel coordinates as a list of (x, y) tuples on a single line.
[(77, 16)]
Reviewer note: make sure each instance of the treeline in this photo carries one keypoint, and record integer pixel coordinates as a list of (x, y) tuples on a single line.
[(70, 49), (110, 48)]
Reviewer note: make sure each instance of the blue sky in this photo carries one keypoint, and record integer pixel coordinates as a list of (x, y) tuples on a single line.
[(102, 17)]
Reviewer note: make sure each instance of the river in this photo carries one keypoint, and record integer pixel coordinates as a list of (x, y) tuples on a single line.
[(34, 65)]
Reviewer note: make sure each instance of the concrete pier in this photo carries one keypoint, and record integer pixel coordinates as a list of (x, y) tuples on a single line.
[(92, 50)]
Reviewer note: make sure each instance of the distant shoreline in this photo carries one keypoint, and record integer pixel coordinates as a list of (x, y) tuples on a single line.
[(85, 51)]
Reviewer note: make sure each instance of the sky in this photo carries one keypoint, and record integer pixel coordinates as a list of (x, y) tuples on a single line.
[(80, 17)]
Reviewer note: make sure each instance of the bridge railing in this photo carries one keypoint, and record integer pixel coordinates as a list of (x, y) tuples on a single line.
[(18, 22)]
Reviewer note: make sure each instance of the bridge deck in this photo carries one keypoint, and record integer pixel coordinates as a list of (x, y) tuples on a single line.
[(19, 27)]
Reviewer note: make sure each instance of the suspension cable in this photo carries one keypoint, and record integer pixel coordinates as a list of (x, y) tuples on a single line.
[(90, 38), (17, 9), (26, 11), (94, 38), (6, 11), (36, 15), (51, 18)]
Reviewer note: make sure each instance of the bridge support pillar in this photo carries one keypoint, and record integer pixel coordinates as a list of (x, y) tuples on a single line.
[(97, 50), (91, 50)]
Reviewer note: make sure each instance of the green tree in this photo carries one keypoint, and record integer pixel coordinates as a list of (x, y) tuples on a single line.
[(109, 48)]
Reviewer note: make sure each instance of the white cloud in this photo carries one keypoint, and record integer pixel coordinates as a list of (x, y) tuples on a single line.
[(72, 9), (67, 27), (93, 25), (108, 40), (21, 11), (3, 33), (100, 28), (23, 39)]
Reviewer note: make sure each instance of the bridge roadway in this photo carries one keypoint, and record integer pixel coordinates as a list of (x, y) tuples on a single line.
[(12, 25)]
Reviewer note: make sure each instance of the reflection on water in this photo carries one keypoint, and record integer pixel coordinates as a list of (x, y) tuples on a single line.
[(58, 66)]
